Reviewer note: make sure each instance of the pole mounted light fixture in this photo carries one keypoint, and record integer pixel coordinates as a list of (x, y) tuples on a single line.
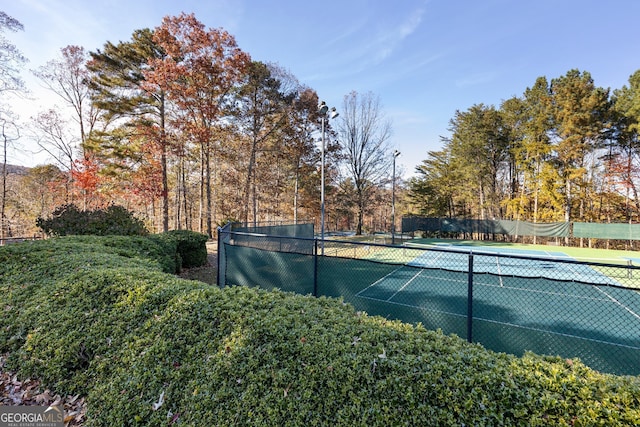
[(396, 153), (323, 109)]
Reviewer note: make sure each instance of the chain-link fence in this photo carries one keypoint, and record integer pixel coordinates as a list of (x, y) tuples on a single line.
[(507, 302)]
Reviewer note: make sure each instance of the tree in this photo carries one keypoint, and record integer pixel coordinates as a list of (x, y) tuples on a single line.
[(479, 148), (43, 188), (261, 113), (11, 59), (434, 188), (198, 73), (536, 147), (620, 164), (579, 110), (299, 147), (53, 136), (67, 77), (364, 135), (138, 107), (9, 132)]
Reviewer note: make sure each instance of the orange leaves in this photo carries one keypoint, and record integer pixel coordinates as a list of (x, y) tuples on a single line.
[(85, 174), (200, 67)]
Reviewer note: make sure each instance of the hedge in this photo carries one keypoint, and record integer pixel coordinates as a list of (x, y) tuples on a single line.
[(191, 247), (147, 348), (114, 220)]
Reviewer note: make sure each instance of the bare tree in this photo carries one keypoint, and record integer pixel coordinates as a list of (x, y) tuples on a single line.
[(364, 135), (10, 57), (54, 138), (10, 61), (9, 132), (67, 77)]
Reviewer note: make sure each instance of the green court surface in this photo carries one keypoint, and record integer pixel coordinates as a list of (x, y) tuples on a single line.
[(576, 311), (581, 254)]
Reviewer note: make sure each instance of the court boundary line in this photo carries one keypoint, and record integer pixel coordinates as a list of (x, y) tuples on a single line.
[(615, 300), (504, 323), (499, 270), (405, 285), (480, 283), (380, 280)]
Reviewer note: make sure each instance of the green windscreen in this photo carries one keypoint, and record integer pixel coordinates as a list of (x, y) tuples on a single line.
[(485, 226), (606, 231), (287, 271)]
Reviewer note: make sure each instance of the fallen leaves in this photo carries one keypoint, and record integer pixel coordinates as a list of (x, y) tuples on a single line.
[(159, 403), (27, 392)]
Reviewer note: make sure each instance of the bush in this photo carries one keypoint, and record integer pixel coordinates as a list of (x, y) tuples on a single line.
[(114, 220), (147, 348), (192, 247)]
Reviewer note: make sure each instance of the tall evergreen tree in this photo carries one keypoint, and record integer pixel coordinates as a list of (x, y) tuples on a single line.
[(434, 189), (479, 148), (137, 107), (579, 111)]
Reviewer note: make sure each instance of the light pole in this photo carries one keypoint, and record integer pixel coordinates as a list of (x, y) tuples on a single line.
[(323, 109), (396, 153)]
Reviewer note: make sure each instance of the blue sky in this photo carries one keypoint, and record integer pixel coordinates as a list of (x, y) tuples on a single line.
[(425, 59)]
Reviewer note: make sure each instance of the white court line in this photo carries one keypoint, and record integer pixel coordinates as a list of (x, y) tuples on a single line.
[(508, 324), (633, 313), (378, 281), (405, 285), (499, 270), (517, 288)]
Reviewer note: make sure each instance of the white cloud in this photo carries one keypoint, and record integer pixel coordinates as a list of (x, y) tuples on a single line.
[(390, 39)]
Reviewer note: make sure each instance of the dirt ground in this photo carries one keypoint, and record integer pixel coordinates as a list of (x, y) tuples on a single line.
[(207, 273)]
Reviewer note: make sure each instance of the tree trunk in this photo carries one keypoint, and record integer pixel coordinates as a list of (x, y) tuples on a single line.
[(247, 184), (163, 166), (208, 188), (4, 192)]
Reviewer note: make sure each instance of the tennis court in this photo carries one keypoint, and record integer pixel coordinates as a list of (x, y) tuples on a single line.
[(533, 300), (520, 300)]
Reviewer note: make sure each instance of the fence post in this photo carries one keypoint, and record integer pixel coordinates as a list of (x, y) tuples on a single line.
[(470, 299), (218, 261), (315, 267)]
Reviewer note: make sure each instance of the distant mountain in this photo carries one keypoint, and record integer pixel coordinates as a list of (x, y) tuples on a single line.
[(15, 169)]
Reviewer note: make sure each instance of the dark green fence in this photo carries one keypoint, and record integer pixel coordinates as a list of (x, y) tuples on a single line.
[(619, 231), (507, 302)]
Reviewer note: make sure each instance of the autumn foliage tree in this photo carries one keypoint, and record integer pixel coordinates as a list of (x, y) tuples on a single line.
[(198, 73)]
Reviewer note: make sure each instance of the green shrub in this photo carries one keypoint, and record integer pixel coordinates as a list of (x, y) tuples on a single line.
[(31, 272), (106, 323), (192, 247), (114, 220)]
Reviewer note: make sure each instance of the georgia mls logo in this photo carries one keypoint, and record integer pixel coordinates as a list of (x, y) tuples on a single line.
[(31, 416)]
